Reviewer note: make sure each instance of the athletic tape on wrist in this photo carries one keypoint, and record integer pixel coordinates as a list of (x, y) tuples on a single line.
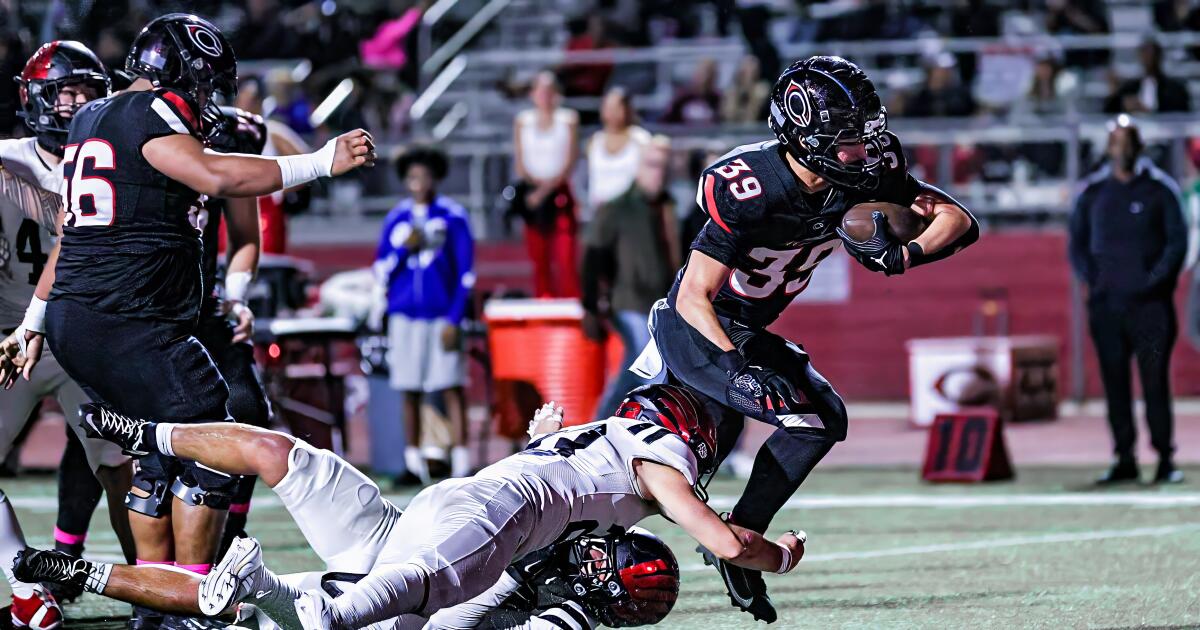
[(297, 170), (236, 284), (35, 316), (786, 565)]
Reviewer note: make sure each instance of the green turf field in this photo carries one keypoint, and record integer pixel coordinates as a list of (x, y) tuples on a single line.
[(886, 551)]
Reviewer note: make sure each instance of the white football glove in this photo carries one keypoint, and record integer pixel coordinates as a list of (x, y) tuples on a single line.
[(548, 419)]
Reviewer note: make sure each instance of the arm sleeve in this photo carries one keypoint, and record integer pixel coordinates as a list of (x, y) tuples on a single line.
[(1078, 237), (464, 264), (1176, 230)]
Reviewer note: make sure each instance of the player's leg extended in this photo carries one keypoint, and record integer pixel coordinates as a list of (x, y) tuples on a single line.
[(16, 406), (163, 588)]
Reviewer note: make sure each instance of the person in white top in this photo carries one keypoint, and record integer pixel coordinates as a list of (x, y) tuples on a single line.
[(456, 538), (614, 152), (59, 78), (546, 147)]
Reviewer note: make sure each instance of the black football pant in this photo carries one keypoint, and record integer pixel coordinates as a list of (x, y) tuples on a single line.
[(805, 433), (1145, 331), (247, 402)]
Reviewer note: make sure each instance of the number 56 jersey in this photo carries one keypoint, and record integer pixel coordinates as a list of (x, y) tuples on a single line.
[(129, 246), (770, 232)]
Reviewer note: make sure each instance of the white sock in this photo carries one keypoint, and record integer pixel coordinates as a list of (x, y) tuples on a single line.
[(415, 462), (460, 462), (274, 597), (162, 437), (11, 541), (97, 579)]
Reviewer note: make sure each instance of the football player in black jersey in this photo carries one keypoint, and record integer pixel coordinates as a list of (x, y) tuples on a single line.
[(126, 275), (775, 210)]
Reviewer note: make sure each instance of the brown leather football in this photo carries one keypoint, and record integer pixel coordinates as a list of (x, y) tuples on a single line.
[(903, 223)]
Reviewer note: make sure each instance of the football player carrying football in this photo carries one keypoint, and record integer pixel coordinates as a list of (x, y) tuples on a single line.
[(774, 211)]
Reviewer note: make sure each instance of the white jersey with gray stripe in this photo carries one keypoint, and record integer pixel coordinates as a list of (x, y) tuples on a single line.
[(29, 204), (590, 471)]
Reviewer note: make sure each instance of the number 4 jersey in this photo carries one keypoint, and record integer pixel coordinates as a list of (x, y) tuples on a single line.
[(770, 232), (128, 245), (29, 204)]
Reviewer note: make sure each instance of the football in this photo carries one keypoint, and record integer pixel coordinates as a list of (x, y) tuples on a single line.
[(903, 223)]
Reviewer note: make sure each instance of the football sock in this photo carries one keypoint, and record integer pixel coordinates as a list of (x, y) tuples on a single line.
[(97, 576), (11, 541), (460, 462), (415, 462), (162, 436), (782, 464), (200, 569), (78, 495), (272, 595)]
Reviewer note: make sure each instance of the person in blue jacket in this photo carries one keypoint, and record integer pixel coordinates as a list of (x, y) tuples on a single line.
[(424, 261)]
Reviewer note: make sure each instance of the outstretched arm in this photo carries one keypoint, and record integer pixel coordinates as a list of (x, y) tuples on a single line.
[(183, 158), (738, 545)]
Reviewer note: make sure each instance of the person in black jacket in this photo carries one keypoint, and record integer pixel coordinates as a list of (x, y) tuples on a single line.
[(1128, 238)]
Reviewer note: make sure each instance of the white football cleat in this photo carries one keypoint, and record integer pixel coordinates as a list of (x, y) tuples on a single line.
[(39, 611), (228, 582), (314, 612)]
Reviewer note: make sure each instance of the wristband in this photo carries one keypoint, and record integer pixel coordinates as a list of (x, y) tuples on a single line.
[(731, 361), (916, 254), (297, 170), (236, 283), (35, 316), (786, 565)]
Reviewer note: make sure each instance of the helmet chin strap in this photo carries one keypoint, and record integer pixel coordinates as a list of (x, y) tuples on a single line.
[(51, 142)]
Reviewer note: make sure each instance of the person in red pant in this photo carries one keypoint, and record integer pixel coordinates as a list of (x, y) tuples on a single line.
[(546, 146)]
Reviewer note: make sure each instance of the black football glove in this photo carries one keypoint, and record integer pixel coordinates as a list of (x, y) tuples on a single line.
[(881, 252), (754, 389)]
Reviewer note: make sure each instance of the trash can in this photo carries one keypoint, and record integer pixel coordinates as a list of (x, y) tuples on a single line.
[(385, 414), (538, 347)]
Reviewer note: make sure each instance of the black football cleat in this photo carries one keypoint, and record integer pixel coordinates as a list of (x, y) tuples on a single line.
[(1123, 471), (110, 426), (1168, 473), (35, 565), (746, 588)]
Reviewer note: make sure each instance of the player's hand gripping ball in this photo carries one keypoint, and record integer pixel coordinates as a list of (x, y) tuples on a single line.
[(880, 251)]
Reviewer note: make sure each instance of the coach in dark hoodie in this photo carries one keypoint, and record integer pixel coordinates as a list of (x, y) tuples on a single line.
[(1128, 238)]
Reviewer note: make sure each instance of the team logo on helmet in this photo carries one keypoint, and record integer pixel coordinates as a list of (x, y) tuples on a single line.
[(206, 40), (795, 101)]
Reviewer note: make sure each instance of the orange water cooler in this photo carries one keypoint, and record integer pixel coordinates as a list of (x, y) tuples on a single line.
[(539, 353)]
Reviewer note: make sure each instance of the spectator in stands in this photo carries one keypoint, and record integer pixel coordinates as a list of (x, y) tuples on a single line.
[(943, 93), (630, 257), (699, 102), (745, 100), (546, 146), (264, 34), (1154, 92), (1128, 239), (1079, 17), (588, 79), (424, 262), (614, 152)]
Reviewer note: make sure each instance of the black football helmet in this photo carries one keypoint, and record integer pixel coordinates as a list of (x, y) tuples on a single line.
[(679, 411), (625, 579), (189, 54), (55, 65), (821, 102), (238, 131)]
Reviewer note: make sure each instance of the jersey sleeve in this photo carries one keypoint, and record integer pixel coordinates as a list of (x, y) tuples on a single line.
[(171, 112), (732, 196), (652, 443), (896, 185), (36, 204)]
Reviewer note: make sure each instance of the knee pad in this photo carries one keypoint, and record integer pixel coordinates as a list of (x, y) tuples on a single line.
[(197, 496), (156, 503)]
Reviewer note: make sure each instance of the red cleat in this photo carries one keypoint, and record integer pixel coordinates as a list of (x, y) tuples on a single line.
[(38, 611)]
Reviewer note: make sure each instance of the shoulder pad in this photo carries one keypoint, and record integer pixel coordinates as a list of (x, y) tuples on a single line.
[(177, 110), (731, 191)]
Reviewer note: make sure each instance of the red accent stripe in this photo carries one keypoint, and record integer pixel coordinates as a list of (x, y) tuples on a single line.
[(652, 567), (181, 105), (711, 201)]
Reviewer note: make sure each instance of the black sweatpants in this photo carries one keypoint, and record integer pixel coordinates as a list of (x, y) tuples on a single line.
[(1146, 331)]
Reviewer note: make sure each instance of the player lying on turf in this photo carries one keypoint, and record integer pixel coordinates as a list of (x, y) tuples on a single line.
[(457, 537)]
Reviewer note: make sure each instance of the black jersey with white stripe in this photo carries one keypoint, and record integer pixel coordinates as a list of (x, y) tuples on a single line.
[(770, 232), (129, 242)]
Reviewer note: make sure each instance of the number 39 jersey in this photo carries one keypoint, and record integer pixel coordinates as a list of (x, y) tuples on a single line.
[(588, 470), (770, 232), (29, 204), (128, 244)]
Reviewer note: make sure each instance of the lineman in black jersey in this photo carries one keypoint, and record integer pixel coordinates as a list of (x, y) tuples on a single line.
[(775, 210), (124, 286)]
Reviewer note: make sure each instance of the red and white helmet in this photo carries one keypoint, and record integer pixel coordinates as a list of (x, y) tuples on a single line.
[(680, 411)]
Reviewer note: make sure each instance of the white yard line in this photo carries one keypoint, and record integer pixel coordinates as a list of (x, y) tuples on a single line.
[(1063, 499), (1015, 541)]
